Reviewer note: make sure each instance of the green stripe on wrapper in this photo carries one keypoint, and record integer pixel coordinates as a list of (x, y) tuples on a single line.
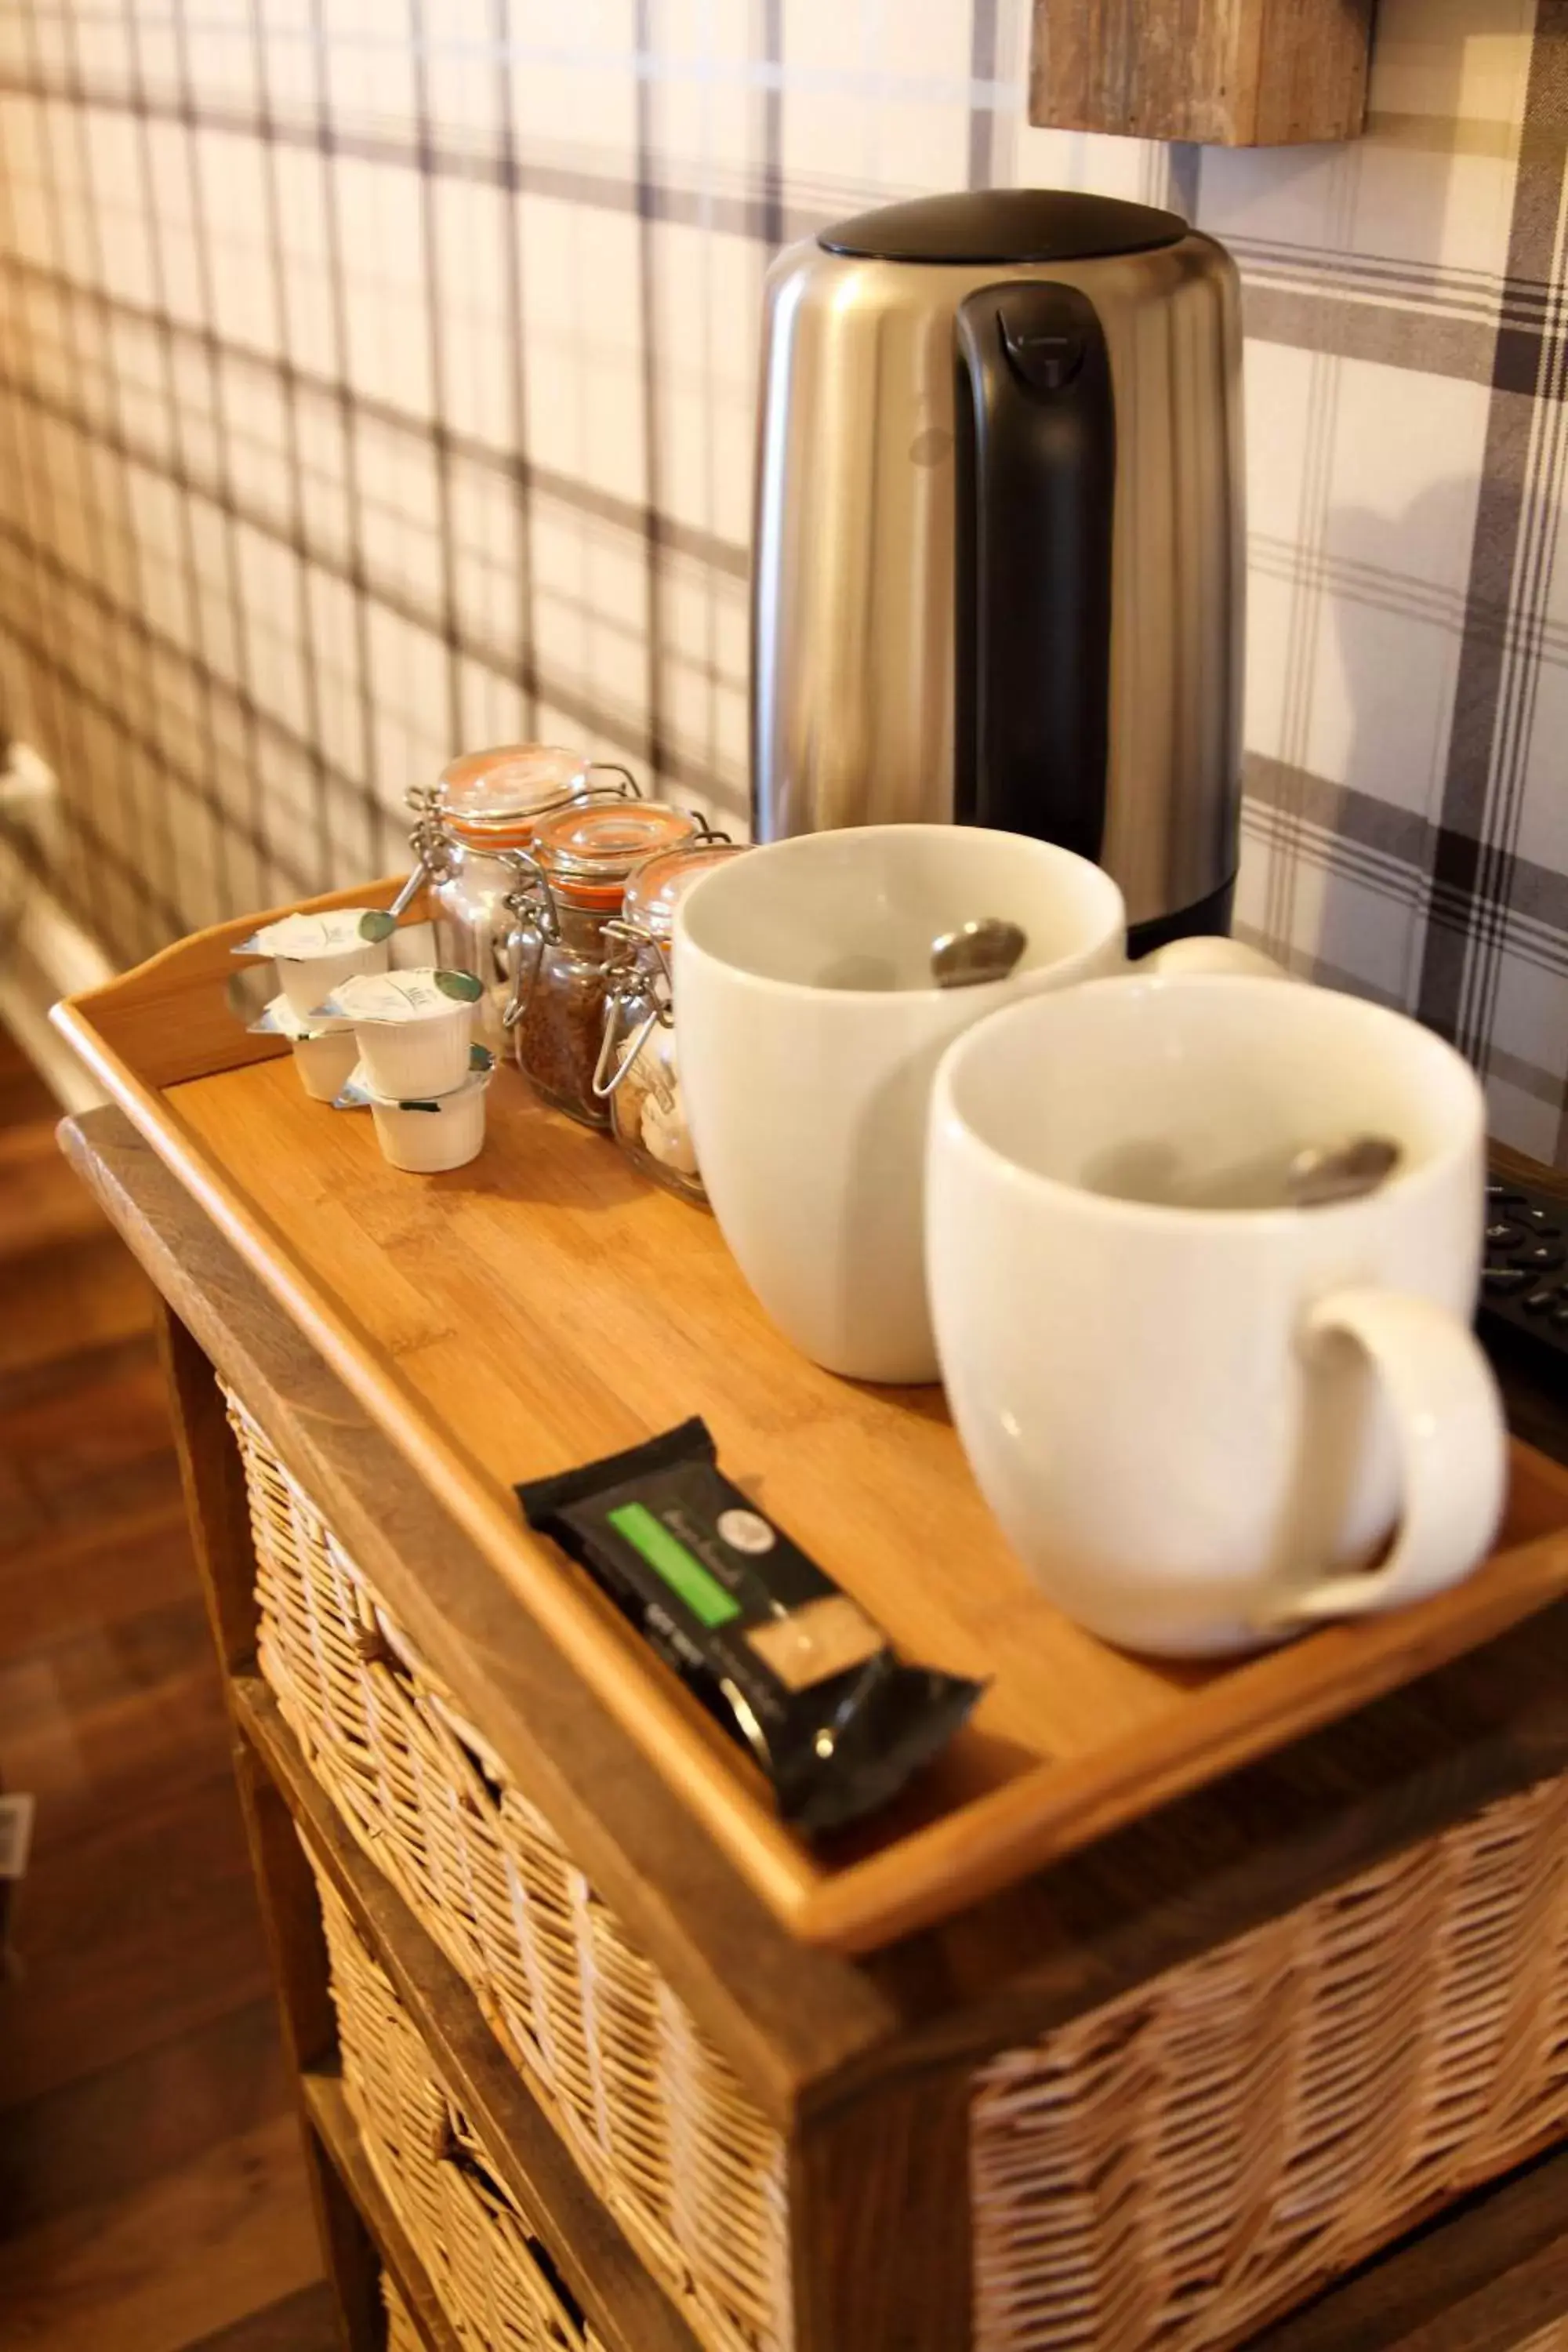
[(681, 1570)]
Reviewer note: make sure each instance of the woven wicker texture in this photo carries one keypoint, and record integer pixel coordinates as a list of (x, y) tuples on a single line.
[(402, 2336), (485, 2262), (655, 2118), (1191, 2159), (1163, 2174)]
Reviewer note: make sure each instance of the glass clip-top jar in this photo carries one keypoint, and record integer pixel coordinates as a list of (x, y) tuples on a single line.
[(638, 1070), (472, 826), (580, 862)]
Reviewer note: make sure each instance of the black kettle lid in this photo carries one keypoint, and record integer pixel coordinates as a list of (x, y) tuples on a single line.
[(1004, 224)]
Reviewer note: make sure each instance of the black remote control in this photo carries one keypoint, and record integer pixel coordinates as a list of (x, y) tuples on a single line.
[(1524, 1277)]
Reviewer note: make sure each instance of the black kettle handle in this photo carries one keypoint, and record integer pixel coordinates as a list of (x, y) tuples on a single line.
[(1036, 468)]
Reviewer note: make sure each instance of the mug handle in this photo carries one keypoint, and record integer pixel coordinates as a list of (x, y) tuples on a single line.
[(1208, 952), (1452, 1449)]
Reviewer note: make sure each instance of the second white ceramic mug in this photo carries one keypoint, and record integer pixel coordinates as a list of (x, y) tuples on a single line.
[(1198, 1420), (809, 1035)]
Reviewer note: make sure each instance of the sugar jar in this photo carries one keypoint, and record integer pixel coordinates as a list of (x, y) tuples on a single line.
[(581, 860), (479, 814), (638, 1072)]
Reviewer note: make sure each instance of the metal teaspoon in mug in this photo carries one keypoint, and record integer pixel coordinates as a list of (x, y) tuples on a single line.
[(984, 948), (1326, 1173)]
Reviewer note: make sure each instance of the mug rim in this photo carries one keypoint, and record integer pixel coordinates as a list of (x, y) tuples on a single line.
[(947, 1118), (1053, 853)]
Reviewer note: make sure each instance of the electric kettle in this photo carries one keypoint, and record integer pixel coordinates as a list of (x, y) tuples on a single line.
[(997, 558)]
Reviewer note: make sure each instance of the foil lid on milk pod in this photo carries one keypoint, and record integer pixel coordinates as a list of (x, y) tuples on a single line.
[(395, 997), (302, 938)]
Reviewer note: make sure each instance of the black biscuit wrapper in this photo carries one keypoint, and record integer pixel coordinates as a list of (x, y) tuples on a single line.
[(780, 1656)]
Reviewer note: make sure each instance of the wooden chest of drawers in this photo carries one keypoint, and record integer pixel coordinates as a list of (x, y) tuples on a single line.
[(572, 2085)]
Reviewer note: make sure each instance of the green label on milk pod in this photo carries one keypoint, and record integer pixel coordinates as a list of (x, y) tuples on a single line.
[(682, 1570)]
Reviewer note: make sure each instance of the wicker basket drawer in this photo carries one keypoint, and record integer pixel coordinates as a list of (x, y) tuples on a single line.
[(486, 2264), (1203, 2154), (657, 2118), (1165, 2174)]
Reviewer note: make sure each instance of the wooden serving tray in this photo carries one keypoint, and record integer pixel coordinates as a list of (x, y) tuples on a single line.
[(546, 1306)]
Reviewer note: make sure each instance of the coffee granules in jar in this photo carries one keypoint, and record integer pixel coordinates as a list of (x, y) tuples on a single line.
[(583, 855)]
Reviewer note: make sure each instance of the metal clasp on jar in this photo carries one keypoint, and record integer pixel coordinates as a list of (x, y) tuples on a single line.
[(631, 944), (430, 864), (628, 789), (435, 851), (428, 841), (534, 899)]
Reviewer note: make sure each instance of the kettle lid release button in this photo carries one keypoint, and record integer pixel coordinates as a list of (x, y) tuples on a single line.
[(1046, 362)]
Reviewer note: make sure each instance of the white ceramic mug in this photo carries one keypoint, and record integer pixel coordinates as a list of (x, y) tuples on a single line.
[(1197, 1424), (810, 1033)]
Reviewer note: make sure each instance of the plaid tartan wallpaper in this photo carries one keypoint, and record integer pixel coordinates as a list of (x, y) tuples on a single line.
[(376, 378)]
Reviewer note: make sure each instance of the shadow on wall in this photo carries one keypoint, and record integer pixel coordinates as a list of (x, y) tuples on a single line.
[(1410, 834), (1355, 660), (1403, 679)]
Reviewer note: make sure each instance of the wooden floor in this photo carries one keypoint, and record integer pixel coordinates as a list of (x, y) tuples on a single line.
[(151, 2191)]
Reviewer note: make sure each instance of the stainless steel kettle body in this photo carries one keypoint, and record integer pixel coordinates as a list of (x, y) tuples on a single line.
[(997, 562)]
